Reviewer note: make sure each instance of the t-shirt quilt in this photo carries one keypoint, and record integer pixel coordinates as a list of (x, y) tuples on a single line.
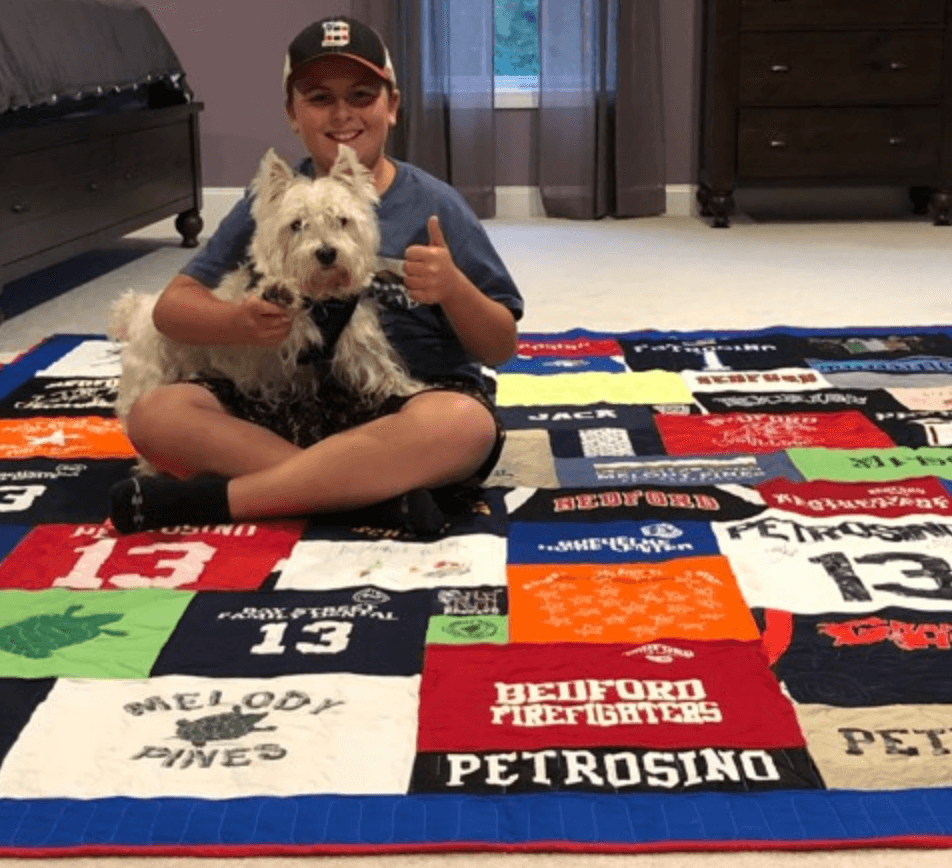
[(703, 602)]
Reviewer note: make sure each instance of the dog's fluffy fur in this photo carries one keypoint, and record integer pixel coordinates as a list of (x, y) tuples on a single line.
[(314, 241)]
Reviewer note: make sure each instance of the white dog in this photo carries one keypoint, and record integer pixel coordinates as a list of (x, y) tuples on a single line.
[(315, 240)]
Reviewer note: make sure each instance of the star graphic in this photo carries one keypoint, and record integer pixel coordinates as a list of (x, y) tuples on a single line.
[(55, 438), (581, 600)]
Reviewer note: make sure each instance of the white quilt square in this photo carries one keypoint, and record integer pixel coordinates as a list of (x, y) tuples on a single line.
[(93, 358), (217, 738), (469, 560)]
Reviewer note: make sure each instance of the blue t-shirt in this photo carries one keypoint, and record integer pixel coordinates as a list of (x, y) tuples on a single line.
[(421, 334)]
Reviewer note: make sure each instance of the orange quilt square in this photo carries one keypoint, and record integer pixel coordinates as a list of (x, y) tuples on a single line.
[(64, 437), (687, 598)]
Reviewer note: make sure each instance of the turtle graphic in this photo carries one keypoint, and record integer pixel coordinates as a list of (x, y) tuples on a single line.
[(38, 636), (219, 727)]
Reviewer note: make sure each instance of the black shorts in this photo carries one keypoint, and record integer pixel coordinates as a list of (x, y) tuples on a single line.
[(305, 421)]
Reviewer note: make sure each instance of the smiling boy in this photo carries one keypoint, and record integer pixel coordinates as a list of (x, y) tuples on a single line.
[(454, 310)]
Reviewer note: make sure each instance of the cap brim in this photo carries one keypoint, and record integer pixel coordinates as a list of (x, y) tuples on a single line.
[(382, 74)]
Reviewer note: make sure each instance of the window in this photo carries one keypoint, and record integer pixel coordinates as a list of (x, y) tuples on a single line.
[(516, 59)]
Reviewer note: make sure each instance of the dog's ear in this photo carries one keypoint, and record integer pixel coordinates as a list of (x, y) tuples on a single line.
[(348, 170), (271, 183)]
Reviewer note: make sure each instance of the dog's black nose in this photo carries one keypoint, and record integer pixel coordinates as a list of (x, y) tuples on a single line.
[(326, 255)]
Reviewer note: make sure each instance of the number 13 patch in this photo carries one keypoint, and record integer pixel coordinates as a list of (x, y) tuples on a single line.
[(367, 631), (93, 557), (841, 563)]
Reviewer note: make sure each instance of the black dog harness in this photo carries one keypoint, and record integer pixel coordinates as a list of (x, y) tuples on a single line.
[(330, 317)]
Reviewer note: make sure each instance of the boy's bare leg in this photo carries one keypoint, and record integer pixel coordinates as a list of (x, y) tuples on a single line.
[(183, 430), (437, 438)]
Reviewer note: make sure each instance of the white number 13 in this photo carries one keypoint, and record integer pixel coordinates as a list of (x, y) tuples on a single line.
[(184, 569), (331, 637)]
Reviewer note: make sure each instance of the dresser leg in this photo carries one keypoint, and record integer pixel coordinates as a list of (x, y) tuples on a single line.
[(920, 196), (189, 224), (703, 197), (941, 206), (721, 206)]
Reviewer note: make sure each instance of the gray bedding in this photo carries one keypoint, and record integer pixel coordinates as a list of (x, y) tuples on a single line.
[(56, 49)]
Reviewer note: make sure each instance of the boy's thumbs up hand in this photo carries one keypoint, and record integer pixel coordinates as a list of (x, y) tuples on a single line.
[(436, 234), (430, 275)]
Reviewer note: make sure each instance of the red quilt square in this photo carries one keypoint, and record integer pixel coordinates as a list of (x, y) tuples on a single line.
[(672, 693), (736, 433), (94, 557)]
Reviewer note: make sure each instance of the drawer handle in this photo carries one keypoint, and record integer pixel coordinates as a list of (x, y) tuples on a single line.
[(128, 176), (896, 141), (778, 143), (780, 68), (898, 65), (94, 187), (20, 208)]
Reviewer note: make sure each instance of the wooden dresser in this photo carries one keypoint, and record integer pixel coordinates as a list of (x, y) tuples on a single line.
[(77, 183), (819, 93)]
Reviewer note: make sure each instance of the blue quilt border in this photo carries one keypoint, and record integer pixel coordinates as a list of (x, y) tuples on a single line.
[(595, 822)]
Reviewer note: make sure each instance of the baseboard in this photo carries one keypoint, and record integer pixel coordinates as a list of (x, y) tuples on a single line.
[(512, 203), (518, 203), (221, 198), (525, 203), (681, 200)]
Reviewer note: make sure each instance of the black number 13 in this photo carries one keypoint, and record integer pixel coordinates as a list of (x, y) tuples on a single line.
[(853, 589)]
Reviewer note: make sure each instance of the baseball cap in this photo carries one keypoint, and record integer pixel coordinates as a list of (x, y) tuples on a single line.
[(340, 36)]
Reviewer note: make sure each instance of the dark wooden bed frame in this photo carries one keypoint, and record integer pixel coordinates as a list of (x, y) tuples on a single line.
[(75, 184)]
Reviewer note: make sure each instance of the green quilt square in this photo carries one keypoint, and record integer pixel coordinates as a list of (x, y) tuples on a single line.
[(465, 630), (872, 465), (85, 634)]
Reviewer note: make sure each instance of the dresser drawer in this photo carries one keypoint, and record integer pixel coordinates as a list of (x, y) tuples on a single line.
[(838, 143), (37, 184), (839, 13), (816, 68), (152, 152), (91, 184)]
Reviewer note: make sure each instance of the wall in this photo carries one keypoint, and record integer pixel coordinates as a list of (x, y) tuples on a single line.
[(232, 52)]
